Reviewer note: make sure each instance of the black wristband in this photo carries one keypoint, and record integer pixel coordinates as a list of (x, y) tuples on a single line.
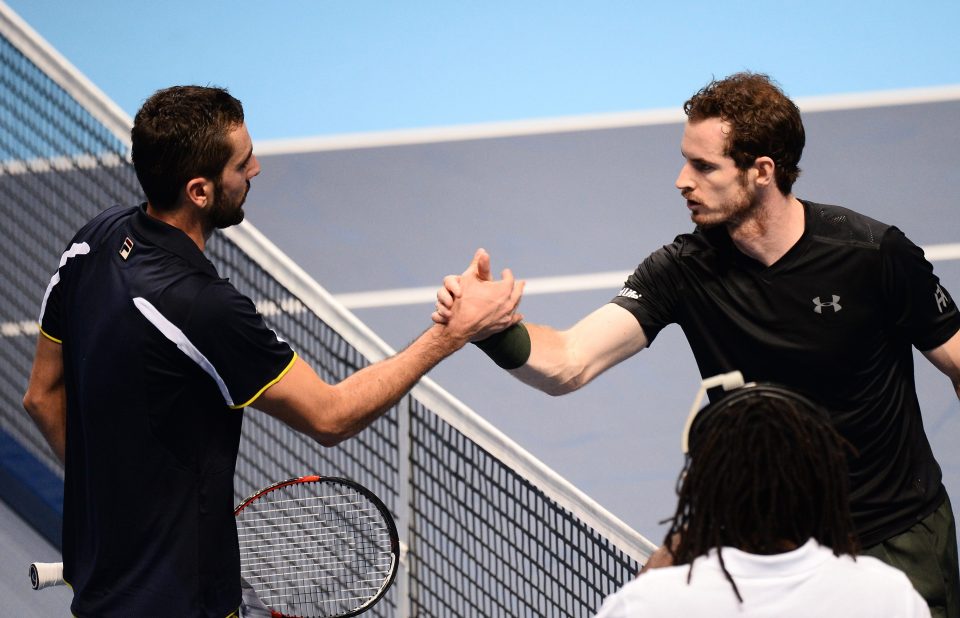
[(509, 348)]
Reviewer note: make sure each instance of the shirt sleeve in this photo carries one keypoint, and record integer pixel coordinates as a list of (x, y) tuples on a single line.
[(918, 305), (50, 324), (651, 292), (245, 353)]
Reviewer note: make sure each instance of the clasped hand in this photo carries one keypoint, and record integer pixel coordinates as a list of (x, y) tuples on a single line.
[(476, 304)]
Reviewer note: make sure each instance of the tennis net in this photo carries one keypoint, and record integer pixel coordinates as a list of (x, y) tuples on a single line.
[(486, 529)]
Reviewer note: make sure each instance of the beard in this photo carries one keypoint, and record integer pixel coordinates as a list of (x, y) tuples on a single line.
[(226, 211), (732, 212)]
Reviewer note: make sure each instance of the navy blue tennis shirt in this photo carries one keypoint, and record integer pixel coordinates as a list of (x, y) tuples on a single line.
[(160, 356)]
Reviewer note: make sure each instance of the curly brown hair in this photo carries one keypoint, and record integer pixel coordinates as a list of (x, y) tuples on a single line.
[(764, 122), (182, 133)]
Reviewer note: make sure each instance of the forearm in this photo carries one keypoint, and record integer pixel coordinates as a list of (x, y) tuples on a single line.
[(50, 417), (332, 413), (553, 366), (370, 392), (563, 361), (46, 396)]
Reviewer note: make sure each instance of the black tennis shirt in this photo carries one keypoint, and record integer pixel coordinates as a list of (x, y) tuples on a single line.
[(160, 356), (834, 318)]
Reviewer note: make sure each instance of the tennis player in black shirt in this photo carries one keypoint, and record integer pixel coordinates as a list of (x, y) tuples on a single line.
[(817, 297)]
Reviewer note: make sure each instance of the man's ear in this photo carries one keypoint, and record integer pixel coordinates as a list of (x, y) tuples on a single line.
[(199, 191), (765, 170)]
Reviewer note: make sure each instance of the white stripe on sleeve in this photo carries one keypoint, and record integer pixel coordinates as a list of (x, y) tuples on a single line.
[(75, 249), (174, 334)]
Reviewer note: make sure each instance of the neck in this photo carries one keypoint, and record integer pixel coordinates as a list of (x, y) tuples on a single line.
[(770, 229), (184, 219), (778, 546)]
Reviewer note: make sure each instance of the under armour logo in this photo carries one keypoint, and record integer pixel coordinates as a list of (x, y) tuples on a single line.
[(941, 297), (835, 304)]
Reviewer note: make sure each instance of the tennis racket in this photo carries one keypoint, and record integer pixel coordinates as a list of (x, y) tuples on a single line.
[(310, 547)]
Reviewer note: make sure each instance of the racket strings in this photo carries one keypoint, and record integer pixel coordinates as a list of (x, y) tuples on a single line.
[(314, 555)]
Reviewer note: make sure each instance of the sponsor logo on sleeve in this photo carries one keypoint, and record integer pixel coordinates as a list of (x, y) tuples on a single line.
[(629, 293), (941, 299)]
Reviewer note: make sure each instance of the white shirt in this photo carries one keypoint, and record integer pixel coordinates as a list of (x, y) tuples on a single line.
[(807, 582)]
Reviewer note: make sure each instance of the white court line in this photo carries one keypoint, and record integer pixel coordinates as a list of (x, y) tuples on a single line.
[(611, 280), (428, 295), (585, 122)]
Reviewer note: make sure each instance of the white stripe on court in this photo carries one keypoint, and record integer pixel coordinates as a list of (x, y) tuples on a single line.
[(942, 253), (540, 285), (586, 122), (612, 281)]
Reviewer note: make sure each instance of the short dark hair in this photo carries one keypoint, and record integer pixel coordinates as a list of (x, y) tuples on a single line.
[(765, 466), (181, 133), (764, 122)]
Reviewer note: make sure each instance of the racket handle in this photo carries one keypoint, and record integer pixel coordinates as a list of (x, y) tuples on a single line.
[(46, 574)]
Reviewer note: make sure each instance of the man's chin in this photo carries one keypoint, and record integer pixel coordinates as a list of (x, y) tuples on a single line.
[(236, 219), (705, 221)]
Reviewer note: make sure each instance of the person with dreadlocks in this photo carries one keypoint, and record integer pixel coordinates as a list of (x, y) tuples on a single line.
[(762, 525)]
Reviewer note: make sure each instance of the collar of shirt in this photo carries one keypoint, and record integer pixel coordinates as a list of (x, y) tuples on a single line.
[(170, 239)]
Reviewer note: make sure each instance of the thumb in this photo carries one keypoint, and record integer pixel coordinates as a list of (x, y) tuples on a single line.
[(483, 265), (479, 266)]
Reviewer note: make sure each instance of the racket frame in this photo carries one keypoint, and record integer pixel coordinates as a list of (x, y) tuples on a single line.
[(374, 499)]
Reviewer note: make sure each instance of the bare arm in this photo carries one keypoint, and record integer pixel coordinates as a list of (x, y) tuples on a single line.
[(563, 361), (946, 358), (330, 413), (46, 398)]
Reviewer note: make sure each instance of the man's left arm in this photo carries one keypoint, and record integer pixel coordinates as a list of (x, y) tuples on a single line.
[(946, 358), (46, 396)]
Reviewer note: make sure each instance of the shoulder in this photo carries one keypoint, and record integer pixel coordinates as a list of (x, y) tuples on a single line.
[(693, 244), (219, 307), (666, 592), (105, 223), (839, 224)]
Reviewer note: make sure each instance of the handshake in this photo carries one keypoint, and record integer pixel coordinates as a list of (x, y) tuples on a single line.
[(478, 309)]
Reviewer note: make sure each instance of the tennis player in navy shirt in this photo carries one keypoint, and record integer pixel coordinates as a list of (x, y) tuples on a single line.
[(147, 359)]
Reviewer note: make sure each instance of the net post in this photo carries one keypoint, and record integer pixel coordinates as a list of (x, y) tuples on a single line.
[(404, 510)]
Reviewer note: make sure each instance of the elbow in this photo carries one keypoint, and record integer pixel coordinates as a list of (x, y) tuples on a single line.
[(329, 432), (32, 404), (557, 389), (41, 410), (328, 435), (328, 440), (555, 385), (561, 383)]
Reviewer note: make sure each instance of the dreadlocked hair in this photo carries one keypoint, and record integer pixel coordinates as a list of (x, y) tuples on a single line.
[(765, 475)]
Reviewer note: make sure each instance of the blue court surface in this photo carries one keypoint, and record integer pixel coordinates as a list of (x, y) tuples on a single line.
[(573, 205)]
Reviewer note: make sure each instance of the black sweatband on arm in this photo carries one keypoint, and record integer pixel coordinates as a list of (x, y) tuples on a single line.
[(510, 348)]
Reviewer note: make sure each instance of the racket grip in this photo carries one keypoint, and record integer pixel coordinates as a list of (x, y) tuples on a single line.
[(46, 574)]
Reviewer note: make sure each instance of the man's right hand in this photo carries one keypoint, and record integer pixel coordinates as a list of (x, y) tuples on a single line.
[(474, 304)]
